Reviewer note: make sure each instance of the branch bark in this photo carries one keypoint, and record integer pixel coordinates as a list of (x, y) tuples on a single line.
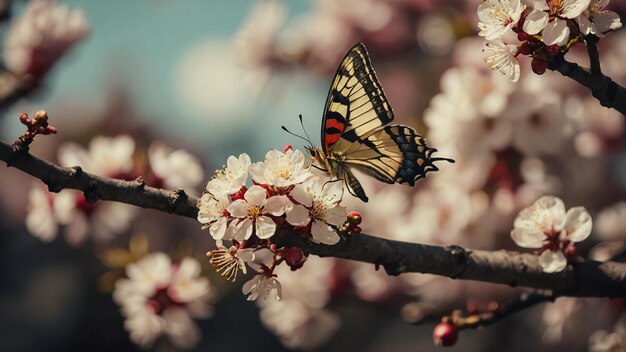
[(587, 279), (603, 88)]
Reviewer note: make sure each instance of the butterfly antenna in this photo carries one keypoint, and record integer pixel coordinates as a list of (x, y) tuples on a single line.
[(304, 129), (293, 134)]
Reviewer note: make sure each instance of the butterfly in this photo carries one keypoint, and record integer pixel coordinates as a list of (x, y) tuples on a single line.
[(356, 133)]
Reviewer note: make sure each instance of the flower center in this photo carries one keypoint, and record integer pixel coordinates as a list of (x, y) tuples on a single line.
[(161, 300), (556, 7), (255, 211)]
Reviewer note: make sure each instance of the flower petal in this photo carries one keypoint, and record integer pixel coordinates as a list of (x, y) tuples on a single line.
[(573, 8), (535, 22), (335, 216), (607, 21), (238, 208), (323, 233), (255, 195), (552, 262), (298, 215), (556, 32), (528, 239), (578, 224), (218, 228), (276, 205), (300, 194), (265, 227)]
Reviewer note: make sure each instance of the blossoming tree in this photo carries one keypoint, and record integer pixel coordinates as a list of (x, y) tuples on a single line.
[(525, 145)]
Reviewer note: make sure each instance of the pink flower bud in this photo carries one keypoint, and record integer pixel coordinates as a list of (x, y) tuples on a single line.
[(539, 66), (445, 334), (295, 257), (354, 218), (41, 116), (287, 148), (24, 118)]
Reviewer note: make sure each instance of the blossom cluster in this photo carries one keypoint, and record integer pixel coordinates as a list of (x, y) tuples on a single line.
[(542, 31), (112, 157), (285, 197), (159, 297), (41, 36)]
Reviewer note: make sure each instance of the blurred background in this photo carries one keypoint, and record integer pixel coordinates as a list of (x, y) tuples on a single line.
[(219, 78)]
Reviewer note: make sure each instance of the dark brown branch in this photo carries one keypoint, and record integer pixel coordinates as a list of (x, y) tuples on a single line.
[(603, 88), (588, 278), (594, 56)]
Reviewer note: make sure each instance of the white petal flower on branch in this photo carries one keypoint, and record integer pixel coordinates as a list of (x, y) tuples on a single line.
[(319, 204), (501, 57), (42, 35), (213, 214), (550, 18), (253, 212), (161, 298), (40, 219), (175, 168), (546, 225), (106, 156), (280, 169), (264, 286), (597, 20), (496, 17), (228, 261), (231, 178)]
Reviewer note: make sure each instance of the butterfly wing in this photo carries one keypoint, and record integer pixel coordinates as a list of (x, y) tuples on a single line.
[(355, 104), (393, 154), (355, 130)]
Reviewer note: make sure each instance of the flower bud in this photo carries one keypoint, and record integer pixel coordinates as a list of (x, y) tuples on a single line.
[(539, 66), (287, 148), (41, 116), (354, 218), (445, 334), (295, 257), (52, 130), (24, 118)]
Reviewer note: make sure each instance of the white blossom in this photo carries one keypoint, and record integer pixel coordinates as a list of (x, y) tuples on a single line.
[(231, 178), (176, 168), (280, 169), (253, 213), (545, 224), (550, 18), (501, 57), (40, 219), (43, 33), (161, 298), (319, 205), (106, 156), (596, 20), (213, 214), (496, 17), (264, 286), (228, 261)]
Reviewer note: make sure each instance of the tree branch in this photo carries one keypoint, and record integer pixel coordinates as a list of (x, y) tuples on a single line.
[(587, 279), (603, 88)]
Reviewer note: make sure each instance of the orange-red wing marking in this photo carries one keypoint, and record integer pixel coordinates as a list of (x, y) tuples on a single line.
[(333, 130)]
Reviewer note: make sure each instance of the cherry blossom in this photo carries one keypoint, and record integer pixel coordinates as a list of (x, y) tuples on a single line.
[(229, 261), (263, 285), (106, 156), (41, 220), (231, 178), (280, 169), (174, 168), (42, 35), (253, 213), (546, 225), (501, 57), (597, 21), (213, 214), (319, 205), (496, 17), (550, 18), (161, 298)]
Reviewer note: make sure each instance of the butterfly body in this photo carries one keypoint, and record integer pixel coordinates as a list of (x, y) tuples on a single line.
[(356, 133)]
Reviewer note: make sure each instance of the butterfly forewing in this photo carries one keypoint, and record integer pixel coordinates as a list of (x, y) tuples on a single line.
[(356, 103)]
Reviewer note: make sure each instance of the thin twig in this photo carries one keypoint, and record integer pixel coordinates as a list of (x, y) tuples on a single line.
[(587, 278), (525, 301)]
